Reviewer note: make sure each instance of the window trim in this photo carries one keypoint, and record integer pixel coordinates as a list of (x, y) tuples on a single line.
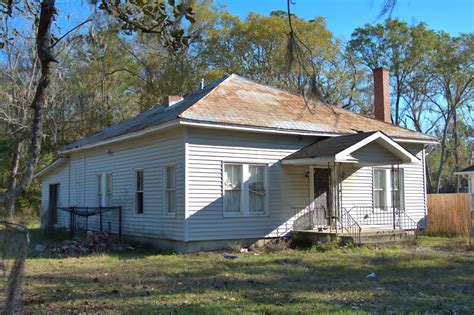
[(165, 190), (245, 196), (135, 210)]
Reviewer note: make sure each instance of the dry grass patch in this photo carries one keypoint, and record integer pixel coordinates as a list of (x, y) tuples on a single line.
[(432, 277)]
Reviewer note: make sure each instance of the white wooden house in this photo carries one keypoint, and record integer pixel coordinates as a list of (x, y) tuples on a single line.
[(241, 161)]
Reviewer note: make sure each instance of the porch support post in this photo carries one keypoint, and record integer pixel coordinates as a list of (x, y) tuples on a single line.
[(392, 177)]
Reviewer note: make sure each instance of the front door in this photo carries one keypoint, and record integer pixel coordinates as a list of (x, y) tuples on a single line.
[(53, 204), (322, 202)]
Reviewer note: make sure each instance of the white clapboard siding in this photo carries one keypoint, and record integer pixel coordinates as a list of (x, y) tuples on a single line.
[(357, 185), (415, 185), (207, 150), (374, 153), (122, 159)]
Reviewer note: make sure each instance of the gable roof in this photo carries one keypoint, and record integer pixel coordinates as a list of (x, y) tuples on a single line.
[(340, 149), (48, 168), (237, 101)]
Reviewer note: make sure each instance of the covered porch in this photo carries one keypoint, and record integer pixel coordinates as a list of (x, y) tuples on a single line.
[(337, 204)]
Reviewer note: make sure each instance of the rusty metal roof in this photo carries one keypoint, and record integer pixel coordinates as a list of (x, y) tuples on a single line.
[(238, 101), (153, 117)]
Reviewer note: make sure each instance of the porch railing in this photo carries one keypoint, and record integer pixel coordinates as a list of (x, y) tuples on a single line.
[(389, 217), (353, 220)]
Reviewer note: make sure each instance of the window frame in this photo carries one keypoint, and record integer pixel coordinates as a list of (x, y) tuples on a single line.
[(245, 196), (142, 191), (166, 213)]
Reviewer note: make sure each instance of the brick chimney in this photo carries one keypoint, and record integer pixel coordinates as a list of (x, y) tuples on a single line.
[(172, 99), (382, 110)]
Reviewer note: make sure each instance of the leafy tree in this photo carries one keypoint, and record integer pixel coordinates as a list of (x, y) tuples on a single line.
[(397, 46), (452, 94), (149, 17)]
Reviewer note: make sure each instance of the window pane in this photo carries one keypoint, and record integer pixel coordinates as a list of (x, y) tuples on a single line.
[(379, 199), (397, 190), (379, 179), (396, 179), (139, 202), (233, 176), (257, 188), (170, 201), (108, 201), (170, 177), (109, 183), (139, 179), (99, 183), (232, 187), (232, 200)]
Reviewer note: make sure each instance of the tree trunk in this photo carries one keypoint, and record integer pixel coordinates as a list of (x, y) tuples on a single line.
[(397, 106), (456, 148), (43, 50), (15, 163)]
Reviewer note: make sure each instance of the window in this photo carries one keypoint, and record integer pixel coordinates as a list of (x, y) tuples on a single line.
[(170, 189), (104, 184), (139, 191), (379, 189), (244, 189), (388, 188), (397, 188), (232, 188), (257, 188), (108, 189), (99, 190)]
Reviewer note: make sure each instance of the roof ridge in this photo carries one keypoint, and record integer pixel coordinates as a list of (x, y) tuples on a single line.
[(318, 103), (217, 84)]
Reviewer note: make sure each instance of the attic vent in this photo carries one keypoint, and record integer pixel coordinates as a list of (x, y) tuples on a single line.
[(172, 99)]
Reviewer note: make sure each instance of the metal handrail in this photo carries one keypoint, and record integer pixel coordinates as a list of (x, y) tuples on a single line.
[(351, 226)]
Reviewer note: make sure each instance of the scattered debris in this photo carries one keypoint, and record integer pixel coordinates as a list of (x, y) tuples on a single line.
[(371, 275), (93, 242), (40, 248), (227, 256), (256, 254), (244, 250)]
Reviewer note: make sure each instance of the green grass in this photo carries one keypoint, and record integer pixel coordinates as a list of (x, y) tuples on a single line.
[(435, 276)]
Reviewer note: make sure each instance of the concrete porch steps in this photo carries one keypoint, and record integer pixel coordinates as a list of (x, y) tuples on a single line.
[(371, 238), (368, 237)]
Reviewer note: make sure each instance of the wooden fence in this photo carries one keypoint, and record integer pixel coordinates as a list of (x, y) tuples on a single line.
[(449, 214)]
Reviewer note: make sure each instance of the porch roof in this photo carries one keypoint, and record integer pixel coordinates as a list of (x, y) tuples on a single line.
[(367, 148)]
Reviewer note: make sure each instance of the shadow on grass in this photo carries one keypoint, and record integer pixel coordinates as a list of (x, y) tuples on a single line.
[(209, 284)]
